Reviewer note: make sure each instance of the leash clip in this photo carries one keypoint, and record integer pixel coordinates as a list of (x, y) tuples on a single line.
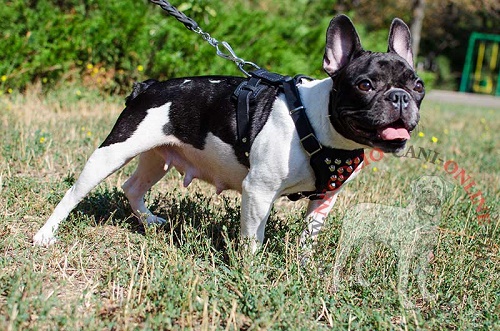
[(230, 55), (233, 57)]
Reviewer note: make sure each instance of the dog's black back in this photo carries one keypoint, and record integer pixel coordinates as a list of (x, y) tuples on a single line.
[(212, 111)]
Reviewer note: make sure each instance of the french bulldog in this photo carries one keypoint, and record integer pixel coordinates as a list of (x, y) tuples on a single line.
[(369, 100)]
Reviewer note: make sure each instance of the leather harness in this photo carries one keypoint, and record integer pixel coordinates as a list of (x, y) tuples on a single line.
[(331, 166)]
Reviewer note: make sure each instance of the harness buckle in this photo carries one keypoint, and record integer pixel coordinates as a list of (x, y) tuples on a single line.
[(311, 144), (293, 111)]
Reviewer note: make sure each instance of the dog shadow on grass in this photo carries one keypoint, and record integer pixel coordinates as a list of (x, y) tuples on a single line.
[(109, 207), (193, 220), (190, 218)]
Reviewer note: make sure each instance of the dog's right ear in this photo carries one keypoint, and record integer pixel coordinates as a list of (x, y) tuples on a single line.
[(342, 42)]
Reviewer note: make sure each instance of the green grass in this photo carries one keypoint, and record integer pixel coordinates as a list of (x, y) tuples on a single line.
[(108, 272)]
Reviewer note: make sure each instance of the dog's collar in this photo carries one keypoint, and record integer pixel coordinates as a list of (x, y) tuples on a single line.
[(331, 166)]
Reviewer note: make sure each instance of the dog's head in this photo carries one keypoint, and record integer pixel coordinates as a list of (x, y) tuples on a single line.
[(376, 96)]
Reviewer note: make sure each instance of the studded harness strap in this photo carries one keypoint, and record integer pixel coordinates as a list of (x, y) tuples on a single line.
[(331, 166)]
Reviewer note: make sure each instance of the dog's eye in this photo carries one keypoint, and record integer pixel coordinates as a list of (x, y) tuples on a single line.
[(365, 86), (419, 86)]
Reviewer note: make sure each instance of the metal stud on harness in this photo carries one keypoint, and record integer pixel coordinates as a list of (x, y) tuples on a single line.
[(332, 167)]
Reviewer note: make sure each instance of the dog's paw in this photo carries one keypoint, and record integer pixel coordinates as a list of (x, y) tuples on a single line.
[(44, 239), (153, 220)]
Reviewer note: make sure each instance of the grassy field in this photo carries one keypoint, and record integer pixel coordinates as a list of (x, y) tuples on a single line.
[(108, 272)]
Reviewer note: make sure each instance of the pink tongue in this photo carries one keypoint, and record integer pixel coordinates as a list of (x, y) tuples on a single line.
[(389, 133)]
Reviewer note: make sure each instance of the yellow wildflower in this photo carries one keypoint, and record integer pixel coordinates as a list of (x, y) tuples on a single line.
[(421, 134), (42, 140), (4, 78), (375, 169), (140, 68), (90, 66), (434, 139)]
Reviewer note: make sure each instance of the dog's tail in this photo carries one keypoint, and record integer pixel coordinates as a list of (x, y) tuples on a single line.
[(138, 88)]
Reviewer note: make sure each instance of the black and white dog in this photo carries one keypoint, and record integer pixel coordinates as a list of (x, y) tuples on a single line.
[(370, 100)]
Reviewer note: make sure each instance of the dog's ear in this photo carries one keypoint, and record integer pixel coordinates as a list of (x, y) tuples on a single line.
[(400, 40), (342, 42)]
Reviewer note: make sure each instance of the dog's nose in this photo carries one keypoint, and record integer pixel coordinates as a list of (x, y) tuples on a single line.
[(400, 99)]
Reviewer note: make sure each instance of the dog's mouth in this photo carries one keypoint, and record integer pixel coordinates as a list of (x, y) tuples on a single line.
[(390, 138), (394, 131)]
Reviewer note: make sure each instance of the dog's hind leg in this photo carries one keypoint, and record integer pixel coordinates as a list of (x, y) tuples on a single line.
[(102, 163), (123, 143), (151, 169)]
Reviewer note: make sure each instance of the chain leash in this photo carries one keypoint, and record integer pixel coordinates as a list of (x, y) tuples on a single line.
[(225, 52)]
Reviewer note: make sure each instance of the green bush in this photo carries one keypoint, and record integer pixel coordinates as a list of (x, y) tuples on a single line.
[(48, 39), (110, 44)]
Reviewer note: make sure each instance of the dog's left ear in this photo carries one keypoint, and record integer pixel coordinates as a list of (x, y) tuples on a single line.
[(400, 40)]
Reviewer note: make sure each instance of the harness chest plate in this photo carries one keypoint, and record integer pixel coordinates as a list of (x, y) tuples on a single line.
[(332, 167)]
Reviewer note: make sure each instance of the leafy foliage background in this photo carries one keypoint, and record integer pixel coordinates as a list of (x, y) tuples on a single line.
[(110, 44)]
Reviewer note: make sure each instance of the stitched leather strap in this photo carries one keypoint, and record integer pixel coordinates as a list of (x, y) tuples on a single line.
[(246, 93), (298, 113), (297, 110)]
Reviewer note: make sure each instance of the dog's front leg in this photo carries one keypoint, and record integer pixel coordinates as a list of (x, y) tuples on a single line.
[(256, 203), (317, 211)]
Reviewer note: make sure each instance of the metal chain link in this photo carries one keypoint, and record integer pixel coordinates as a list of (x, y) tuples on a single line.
[(227, 53), (187, 21)]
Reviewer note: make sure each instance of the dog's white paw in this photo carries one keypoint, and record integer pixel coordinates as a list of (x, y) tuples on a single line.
[(43, 238)]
